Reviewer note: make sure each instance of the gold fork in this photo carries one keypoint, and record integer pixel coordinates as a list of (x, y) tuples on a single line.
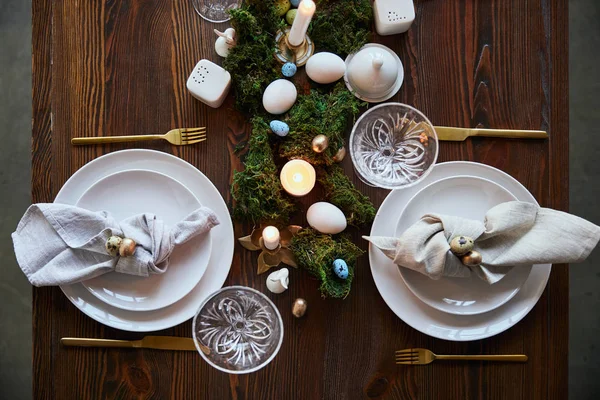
[(178, 137), (424, 356)]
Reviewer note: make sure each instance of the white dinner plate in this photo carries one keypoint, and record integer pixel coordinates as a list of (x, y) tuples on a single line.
[(125, 194), (467, 197), (419, 315), (221, 235)]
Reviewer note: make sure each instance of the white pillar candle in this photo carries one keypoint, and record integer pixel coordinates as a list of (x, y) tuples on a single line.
[(306, 9), (270, 237), (298, 177)]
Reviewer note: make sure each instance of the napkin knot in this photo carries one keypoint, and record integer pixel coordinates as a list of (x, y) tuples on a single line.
[(511, 234), (58, 244)]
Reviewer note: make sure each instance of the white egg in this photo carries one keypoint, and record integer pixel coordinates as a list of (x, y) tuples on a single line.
[(326, 218), (279, 96), (325, 67)]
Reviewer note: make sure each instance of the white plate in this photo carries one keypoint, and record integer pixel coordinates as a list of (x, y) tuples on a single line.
[(125, 194), (467, 197), (221, 235), (419, 315)]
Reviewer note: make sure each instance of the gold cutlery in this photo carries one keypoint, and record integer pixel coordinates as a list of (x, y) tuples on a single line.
[(148, 342), (424, 356), (460, 134), (178, 137)]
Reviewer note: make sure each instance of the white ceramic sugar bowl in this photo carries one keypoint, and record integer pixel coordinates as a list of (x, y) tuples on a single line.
[(374, 73)]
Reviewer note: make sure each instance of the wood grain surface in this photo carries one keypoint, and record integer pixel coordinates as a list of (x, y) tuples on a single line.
[(120, 66)]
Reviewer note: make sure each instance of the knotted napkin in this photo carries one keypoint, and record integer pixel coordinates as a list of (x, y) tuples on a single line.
[(58, 244), (512, 234)]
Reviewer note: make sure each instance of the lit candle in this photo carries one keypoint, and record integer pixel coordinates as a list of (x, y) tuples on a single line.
[(298, 177), (270, 237), (306, 9)]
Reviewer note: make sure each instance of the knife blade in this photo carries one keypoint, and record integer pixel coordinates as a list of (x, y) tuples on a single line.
[(148, 342), (460, 134)]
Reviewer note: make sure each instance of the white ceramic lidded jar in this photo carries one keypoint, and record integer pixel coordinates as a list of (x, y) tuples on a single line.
[(375, 73)]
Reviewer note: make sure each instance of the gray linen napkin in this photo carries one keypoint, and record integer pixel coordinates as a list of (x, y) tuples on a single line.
[(513, 233), (58, 244)]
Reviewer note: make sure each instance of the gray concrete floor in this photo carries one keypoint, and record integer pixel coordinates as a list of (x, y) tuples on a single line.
[(15, 118)]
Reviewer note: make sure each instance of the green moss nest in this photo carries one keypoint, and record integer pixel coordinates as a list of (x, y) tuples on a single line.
[(316, 252), (341, 27), (319, 113), (250, 62), (340, 191), (257, 190)]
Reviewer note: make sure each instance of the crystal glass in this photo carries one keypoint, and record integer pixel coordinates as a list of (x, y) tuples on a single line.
[(215, 10), (393, 146), (238, 330)]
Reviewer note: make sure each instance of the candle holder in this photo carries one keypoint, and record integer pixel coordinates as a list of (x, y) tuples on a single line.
[(268, 259), (286, 52)]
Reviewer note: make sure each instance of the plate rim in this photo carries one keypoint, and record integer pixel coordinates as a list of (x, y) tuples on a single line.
[(541, 271), (224, 257), (179, 294)]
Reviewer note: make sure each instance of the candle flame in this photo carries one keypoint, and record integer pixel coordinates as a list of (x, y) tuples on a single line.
[(297, 177)]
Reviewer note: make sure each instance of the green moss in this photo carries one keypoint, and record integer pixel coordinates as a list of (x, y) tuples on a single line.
[(257, 190), (340, 190), (341, 27), (319, 113), (251, 62), (316, 252)]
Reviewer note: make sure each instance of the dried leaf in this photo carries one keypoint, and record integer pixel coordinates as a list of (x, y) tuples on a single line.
[(287, 257), (246, 242)]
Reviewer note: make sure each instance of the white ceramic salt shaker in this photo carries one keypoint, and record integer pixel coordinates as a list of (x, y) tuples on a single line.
[(393, 16), (277, 282), (209, 83)]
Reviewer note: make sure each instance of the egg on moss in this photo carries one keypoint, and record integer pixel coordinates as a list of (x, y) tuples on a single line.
[(340, 268), (279, 128), (282, 6), (325, 67), (326, 218), (295, 3), (290, 16), (279, 96), (289, 69)]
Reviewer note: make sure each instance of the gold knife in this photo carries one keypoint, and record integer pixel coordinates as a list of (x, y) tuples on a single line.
[(460, 134), (148, 342)]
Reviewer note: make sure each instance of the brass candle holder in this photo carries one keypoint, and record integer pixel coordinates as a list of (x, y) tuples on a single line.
[(271, 258), (286, 52)]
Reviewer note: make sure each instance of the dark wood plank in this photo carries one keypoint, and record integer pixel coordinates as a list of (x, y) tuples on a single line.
[(120, 66)]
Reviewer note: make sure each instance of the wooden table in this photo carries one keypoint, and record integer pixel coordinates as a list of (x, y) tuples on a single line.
[(119, 67)]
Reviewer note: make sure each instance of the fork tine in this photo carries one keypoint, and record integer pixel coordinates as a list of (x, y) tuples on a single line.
[(194, 141), (407, 358), (187, 135), (407, 351), (186, 130), (190, 139), (405, 363), (193, 135)]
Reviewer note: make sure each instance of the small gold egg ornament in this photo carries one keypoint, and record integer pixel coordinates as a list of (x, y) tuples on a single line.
[(471, 259), (299, 307), (320, 143), (339, 156), (461, 245), (127, 247), (112, 245)]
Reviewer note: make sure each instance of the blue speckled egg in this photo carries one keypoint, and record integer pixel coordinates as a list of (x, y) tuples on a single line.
[(279, 128), (289, 69), (340, 268), (295, 3)]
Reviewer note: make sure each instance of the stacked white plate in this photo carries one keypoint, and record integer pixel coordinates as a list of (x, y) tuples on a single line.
[(457, 309), (132, 182)]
